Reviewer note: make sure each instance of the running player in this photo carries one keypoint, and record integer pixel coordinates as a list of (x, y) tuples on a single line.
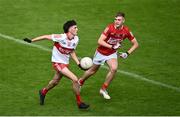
[(64, 47), (109, 41)]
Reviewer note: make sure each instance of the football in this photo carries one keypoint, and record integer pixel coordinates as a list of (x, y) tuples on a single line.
[(86, 62)]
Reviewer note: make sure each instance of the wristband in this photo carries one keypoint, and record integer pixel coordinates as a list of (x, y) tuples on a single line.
[(127, 53)]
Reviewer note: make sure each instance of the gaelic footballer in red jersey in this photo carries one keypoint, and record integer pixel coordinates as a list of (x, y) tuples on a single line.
[(108, 44), (64, 48)]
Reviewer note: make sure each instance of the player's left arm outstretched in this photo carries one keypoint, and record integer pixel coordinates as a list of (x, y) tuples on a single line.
[(134, 46), (43, 37)]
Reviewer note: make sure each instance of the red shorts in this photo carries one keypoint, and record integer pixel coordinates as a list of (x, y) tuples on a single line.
[(59, 66)]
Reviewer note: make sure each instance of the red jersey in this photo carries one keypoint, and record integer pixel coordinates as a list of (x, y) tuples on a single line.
[(114, 36)]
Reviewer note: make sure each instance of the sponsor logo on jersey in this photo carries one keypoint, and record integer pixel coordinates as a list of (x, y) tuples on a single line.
[(63, 50), (114, 41)]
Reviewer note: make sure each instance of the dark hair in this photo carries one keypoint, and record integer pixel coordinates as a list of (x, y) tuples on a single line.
[(120, 14), (68, 24)]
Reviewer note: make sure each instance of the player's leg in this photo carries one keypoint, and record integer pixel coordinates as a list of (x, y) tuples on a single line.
[(57, 77), (97, 61), (113, 65), (88, 73), (66, 72)]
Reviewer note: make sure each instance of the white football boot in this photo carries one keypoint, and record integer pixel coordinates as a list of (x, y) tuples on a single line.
[(105, 94)]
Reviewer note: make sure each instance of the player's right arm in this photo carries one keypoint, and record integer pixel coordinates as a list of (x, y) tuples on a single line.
[(44, 37), (102, 38), (102, 42)]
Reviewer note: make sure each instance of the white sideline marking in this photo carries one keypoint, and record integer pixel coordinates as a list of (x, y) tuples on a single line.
[(136, 76)]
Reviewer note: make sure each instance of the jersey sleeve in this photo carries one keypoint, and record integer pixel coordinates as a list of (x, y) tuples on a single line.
[(56, 37), (106, 31), (130, 36)]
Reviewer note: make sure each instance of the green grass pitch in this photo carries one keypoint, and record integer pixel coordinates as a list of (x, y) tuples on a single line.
[(25, 69)]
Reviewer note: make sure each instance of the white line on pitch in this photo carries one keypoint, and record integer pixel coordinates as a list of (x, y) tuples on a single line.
[(136, 76)]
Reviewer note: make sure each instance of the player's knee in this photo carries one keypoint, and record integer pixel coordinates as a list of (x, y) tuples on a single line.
[(75, 80), (113, 69), (56, 83)]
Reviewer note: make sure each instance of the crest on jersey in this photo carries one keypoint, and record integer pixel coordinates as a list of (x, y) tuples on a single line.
[(62, 42)]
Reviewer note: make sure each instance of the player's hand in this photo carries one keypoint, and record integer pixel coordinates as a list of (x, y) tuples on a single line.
[(27, 40), (123, 55), (114, 47), (79, 65)]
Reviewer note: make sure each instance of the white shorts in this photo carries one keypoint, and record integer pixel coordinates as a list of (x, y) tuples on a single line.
[(100, 59)]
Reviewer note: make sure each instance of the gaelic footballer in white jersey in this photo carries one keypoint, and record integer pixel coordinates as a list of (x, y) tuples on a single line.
[(64, 47)]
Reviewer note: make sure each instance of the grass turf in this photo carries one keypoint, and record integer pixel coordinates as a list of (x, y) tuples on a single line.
[(24, 70)]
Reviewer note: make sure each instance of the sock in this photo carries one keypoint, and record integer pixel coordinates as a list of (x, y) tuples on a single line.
[(44, 91), (78, 99), (104, 86), (81, 82)]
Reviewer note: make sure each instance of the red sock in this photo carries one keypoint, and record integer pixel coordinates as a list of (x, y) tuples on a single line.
[(78, 99), (81, 82), (44, 91), (104, 86)]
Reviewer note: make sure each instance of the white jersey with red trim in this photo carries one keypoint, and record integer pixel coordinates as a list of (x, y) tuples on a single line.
[(63, 47)]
